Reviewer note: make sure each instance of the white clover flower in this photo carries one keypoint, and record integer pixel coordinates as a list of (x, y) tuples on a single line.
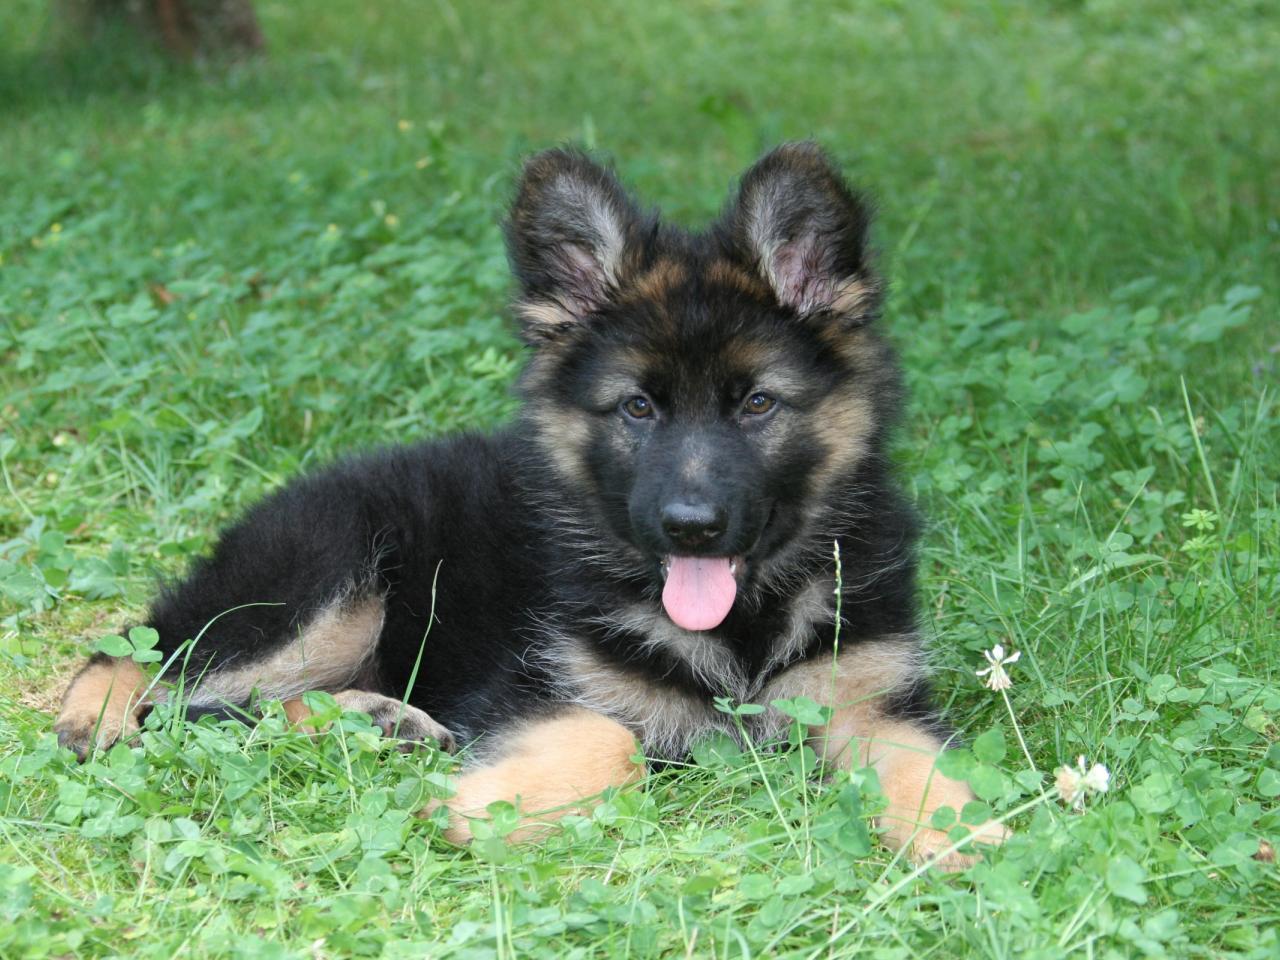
[(997, 677), (1076, 783), (1098, 779)]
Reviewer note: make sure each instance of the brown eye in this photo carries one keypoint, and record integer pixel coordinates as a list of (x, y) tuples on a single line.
[(759, 403), (638, 408)]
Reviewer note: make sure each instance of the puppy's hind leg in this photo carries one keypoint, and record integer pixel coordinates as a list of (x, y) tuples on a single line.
[(333, 651), (102, 705)]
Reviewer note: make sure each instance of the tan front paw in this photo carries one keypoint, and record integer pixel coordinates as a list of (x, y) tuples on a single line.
[(916, 791), (546, 769), (935, 847), (476, 790)]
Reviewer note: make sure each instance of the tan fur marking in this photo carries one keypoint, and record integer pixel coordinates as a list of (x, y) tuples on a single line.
[(843, 421), (852, 297), (297, 712), (328, 655), (538, 371), (903, 756), (845, 418), (547, 769), (666, 719), (774, 370), (658, 282), (731, 275), (610, 388), (563, 435), (903, 753), (544, 316), (101, 705), (859, 347), (855, 683), (747, 355), (618, 376)]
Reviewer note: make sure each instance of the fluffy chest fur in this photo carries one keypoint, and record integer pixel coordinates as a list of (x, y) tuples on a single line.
[(661, 681)]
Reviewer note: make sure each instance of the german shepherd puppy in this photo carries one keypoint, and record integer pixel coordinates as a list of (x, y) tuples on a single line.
[(705, 416)]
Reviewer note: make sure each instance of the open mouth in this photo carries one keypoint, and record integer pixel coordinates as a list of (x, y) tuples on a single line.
[(698, 592)]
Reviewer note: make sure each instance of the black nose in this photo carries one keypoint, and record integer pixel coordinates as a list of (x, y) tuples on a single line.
[(691, 525)]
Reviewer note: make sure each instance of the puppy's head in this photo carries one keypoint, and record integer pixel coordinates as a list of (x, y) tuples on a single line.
[(703, 395)]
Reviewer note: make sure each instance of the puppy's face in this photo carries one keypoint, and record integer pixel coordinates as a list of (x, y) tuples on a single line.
[(700, 393)]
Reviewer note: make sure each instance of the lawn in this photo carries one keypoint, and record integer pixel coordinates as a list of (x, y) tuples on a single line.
[(211, 279)]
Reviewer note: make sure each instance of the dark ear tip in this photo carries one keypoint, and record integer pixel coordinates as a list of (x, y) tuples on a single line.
[(546, 165), (804, 169), (545, 162), (799, 156)]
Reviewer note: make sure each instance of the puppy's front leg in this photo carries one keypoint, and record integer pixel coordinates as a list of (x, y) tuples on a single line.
[(866, 689), (547, 767)]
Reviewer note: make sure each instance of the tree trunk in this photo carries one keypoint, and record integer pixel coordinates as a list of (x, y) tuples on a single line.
[(186, 29)]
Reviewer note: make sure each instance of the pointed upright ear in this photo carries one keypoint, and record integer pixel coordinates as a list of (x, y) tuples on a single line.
[(804, 231), (568, 235)]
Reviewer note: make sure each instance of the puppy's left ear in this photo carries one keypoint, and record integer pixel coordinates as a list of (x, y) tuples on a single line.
[(804, 231), (568, 237)]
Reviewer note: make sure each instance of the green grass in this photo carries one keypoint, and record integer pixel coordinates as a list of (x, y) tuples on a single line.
[(1079, 217)]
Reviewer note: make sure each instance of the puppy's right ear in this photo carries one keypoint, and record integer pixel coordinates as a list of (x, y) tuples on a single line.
[(568, 234)]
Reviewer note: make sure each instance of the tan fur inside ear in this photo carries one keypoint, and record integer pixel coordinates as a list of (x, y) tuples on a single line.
[(730, 275), (546, 769)]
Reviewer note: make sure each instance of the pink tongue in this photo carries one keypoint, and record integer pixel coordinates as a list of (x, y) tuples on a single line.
[(699, 591)]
